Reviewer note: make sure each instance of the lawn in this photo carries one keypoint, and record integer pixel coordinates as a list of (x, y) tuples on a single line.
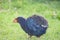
[(27, 8)]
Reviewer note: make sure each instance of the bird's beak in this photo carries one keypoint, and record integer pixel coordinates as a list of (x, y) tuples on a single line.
[(15, 20)]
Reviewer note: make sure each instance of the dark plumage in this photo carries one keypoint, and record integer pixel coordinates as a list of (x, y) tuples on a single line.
[(34, 25)]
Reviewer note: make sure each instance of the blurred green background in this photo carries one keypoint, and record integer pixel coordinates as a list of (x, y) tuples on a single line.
[(10, 9)]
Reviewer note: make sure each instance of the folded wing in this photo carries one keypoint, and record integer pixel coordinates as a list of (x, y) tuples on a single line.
[(37, 25)]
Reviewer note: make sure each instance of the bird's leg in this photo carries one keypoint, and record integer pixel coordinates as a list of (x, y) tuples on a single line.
[(29, 38), (38, 38)]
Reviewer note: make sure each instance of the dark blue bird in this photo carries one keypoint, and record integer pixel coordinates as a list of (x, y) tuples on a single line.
[(34, 25)]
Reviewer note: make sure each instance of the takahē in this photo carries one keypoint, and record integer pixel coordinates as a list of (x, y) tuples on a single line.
[(34, 25)]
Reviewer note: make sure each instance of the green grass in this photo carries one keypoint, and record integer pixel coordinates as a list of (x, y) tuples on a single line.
[(13, 31)]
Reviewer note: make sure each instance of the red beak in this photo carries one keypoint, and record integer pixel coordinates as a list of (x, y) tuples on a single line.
[(15, 20)]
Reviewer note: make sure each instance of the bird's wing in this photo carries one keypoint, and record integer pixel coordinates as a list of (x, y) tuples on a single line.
[(31, 24), (40, 20), (36, 23)]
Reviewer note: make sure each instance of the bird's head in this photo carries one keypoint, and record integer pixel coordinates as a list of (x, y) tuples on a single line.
[(18, 20)]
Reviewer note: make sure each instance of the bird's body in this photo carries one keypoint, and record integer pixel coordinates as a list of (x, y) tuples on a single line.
[(34, 25)]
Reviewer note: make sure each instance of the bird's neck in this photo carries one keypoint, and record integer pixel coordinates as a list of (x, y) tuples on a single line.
[(23, 23)]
